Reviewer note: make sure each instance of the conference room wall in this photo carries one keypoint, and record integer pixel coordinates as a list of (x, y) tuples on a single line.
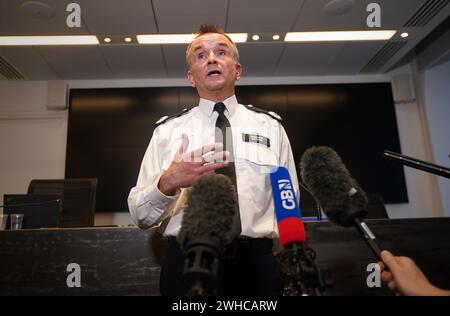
[(28, 129)]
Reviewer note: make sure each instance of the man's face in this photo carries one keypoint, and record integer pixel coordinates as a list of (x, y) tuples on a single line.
[(214, 68)]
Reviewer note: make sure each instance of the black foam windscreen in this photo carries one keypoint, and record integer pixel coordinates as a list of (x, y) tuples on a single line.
[(211, 210), (339, 195)]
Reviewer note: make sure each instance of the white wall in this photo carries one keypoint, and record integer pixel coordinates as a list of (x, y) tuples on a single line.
[(423, 195), (437, 106), (33, 139)]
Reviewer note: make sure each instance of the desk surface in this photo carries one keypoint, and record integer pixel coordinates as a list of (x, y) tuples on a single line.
[(127, 261)]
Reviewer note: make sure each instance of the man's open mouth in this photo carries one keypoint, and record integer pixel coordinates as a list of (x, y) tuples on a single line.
[(214, 73)]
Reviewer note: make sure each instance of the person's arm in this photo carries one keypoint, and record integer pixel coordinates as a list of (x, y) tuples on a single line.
[(405, 277), (147, 204)]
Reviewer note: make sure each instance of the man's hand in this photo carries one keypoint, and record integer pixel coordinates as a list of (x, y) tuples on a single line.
[(405, 278), (187, 167)]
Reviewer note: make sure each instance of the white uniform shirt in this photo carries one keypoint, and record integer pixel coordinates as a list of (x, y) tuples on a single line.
[(254, 158)]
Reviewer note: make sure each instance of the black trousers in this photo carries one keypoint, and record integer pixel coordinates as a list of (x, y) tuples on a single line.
[(248, 268)]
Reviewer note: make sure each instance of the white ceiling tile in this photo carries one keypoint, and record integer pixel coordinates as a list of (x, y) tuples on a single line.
[(13, 20), (28, 62), (134, 61), (175, 56), (353, 57), (393, 15), (118, 17), (262, 15), (174, 16), (78, 62), (259, 59), (307, 58)]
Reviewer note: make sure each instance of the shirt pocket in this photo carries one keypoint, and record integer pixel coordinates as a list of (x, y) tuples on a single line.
[(257, 153)]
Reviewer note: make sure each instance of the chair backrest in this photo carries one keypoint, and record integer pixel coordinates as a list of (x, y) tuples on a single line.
[(77, 199)]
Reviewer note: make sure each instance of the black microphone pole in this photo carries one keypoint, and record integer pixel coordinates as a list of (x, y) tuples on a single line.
[(57, 201), (417, 164)]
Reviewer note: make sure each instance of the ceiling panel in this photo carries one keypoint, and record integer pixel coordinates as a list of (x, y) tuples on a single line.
[(14, 21), (133, 61), (80, 62), (353, 57), (175, 56), (393, 15), (28, 62), (262, 15), (175, 16), (307, 58), (118, 17), (259, 59)]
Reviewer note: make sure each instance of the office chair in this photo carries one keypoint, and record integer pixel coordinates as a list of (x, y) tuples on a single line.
[(77, 199)]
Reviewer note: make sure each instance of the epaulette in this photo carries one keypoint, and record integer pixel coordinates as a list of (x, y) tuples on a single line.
[(166, 118), (270, 113)]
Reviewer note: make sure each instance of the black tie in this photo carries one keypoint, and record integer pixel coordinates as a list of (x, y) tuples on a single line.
[(224, 135)]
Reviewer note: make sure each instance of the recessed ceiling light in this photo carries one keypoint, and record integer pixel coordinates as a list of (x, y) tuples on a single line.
[(404, 34), (48, 40), (255, 37), (182, 38), (276, 37), (128, 39), (339, 36), (107, 40)]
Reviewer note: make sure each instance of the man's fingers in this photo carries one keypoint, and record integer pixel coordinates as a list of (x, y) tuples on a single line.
[(389, 259), (392, 285), (197, 154), (386, 277), (182, 149), (220, 156), (184, 143), (213, 166), (208, 148)]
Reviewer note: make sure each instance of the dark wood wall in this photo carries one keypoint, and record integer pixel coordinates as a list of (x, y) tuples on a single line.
[(109, 131)]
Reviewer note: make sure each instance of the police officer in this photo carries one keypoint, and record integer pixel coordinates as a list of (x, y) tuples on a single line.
[(184, 146)]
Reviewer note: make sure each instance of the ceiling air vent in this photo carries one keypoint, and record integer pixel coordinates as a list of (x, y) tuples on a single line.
[(8, 70), (426, 12), (383, 55)]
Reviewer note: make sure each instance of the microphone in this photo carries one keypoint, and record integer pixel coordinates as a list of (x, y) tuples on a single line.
[(290, 225), (306, 277), (209, 224), (418, 164), (340, 196), (57, 201)]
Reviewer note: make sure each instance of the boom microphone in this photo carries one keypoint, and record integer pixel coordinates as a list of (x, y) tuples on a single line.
[(208, 225), (340, 196)]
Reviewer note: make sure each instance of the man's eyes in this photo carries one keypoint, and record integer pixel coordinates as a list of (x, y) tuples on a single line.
[(204, 55)]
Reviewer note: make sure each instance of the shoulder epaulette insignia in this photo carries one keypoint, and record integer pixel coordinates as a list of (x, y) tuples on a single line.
[(166, 118), (259, 110)]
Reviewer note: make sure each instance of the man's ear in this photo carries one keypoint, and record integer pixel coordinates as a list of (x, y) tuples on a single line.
[(238, 71), (191, 78)]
